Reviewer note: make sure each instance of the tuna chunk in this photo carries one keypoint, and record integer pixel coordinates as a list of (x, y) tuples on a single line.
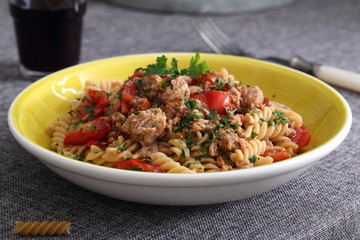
[(178, 89), (229, 140), (146, 126), (147, 150), (251, 97)]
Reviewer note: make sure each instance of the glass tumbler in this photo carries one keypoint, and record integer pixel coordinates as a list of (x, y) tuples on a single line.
[(48, 34)]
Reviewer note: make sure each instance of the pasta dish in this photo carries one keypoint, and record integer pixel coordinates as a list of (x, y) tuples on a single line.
[(170, 120)]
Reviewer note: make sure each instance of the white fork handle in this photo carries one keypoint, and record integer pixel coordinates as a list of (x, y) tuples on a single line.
[(331, 75), (338, 77)]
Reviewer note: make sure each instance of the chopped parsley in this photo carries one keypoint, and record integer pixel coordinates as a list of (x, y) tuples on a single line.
[(183, 154), (91, 128), (279, 119), (139, 84), (76, 157), (252, 159), (254, 135), (127, 159), (191, 104), (88, 109), (147, 160), (134, 168), (122, 148)]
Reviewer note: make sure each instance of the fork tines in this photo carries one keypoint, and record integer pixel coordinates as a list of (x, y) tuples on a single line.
[(215, 38)]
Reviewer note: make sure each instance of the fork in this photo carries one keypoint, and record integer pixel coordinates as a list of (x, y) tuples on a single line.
[(221, 44)]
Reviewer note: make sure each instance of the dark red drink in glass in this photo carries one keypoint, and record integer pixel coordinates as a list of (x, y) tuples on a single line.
[(48, 34)]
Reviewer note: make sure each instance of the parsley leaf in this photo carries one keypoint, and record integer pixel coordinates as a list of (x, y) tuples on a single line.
[(158, 68), (253, 159), (191, 104), (195, 69), (279, 119)]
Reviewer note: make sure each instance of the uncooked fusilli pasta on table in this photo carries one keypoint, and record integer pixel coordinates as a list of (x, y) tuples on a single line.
[(169, 120), (42, 228)]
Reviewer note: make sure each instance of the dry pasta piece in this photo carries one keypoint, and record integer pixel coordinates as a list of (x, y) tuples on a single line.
[(42, 228)]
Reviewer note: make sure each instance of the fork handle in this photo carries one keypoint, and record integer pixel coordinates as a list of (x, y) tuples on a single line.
[(331, 75)]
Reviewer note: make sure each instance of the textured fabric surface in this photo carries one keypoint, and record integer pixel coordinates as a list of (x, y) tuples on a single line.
[(322, 203)]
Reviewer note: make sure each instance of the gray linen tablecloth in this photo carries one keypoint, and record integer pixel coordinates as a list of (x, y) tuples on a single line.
[(322, 203)]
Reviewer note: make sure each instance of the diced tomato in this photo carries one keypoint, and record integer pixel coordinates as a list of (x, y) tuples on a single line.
[(277, 153), (266, 102), (138, 165), (98, 97), (128, 93), (135, 75), (200, 97), (144, 105), (218, 100), (94, 130), (99, 143), (214, 99), (207, 77), (88, 109), (93, 108), (125, 107), (302, 137)]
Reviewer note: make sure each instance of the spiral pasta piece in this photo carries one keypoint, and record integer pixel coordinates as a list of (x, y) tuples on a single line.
[(179, 148), (287, 143), (115, 155), (209, 164), (167, 164), (122, 144), (74, 151), (95, 155), (92, 85), (294, 118), (42, 228), (258, 115), (58, 131), (194, 165), (242, 157), (264, 131)]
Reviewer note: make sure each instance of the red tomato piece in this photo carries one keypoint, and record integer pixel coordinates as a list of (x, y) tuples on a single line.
[(144, 105), (200, 97), (302, 137), (88, 109), (94, 130), (277, 153), (214, 99), (218, 100), (125, 107), (135, 75), (128, 93), (207, 77), (102, 144), (94, 107), (98, 97), (138, 165)]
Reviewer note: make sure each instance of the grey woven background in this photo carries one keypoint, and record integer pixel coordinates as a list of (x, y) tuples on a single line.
[(322, 203)]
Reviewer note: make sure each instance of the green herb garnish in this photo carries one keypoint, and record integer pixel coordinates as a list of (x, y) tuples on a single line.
[(197, 69)]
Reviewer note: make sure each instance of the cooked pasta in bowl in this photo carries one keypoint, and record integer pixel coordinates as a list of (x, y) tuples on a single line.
[(179, 129)]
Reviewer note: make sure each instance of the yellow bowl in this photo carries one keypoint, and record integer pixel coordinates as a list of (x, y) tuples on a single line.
[(325, 112)]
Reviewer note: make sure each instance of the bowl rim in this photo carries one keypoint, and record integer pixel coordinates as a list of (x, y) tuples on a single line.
[(178, 180)]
